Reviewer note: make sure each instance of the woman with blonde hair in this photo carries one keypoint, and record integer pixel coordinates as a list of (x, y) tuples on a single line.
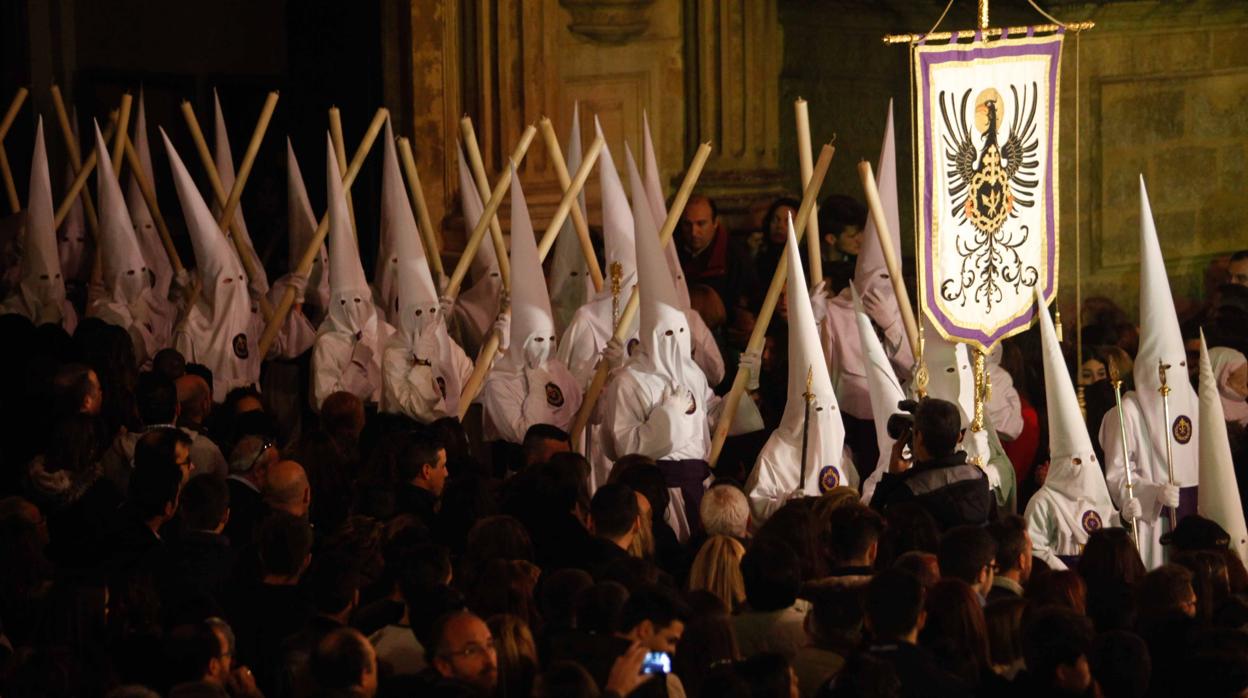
[(717, 569), (517, 654)]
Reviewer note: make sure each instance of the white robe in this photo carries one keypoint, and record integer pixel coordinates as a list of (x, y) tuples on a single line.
[(846, 365), (774, 480), (1059, 526), (515, 399), (335, 370), (423, 388)]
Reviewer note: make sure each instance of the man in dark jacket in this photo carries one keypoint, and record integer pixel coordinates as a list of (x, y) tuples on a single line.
[(936, 475)]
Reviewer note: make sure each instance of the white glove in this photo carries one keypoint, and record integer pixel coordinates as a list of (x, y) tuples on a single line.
[(442, 282), (182, 279), (819, 301), (614, 353), (1168, 496), (361, 354), (751, 361), (446, 305), (502, 326), (1132, 509), (300, 284), (881, 307), (675, 400)]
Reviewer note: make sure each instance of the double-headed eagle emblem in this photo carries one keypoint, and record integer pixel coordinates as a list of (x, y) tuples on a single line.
[(988, 184)]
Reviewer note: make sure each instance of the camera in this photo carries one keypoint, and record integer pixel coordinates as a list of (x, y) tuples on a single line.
[(901, 424)]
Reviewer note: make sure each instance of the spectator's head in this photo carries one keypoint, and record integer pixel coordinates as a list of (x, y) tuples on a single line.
[(968, 553), (776, 222), (709, 640), (205, 503), (725, 511), (1063, 588), (910, 527), (1166, 593), (1238, 268), (286, 488), (1013, 548), (342, 416), (853, 535), (201, 371), (699, 223), (600, 607), (462, 647), (1121, 664), (252, 457), (169, 363), (194, 399), (344, 663), (955, 628), (76, 390), (285, 546), (565, 679), (614, 514), (1004, 620), (542, 441), (895, 606), (768, 674), (1056, 645), (157, 398), (841, 221), (772, 576), (1110, 560), (654, 617), (644, 476), (717, 569), (923, 565), (335, 586), (154, 489), (937, 428), (422, 461), (707, 303), (557, 596), (835, 618), (165, 445), (194, 653)]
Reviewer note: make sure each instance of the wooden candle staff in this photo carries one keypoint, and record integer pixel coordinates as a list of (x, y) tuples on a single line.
[(674, 213), (322, 229), (340, 151), (10, 187), (778, 280), (485, 358), (153, 206), (890, 255), (75, 157), (477, 168), (579, 223), (80, 180), (814, 251), (428, 235)]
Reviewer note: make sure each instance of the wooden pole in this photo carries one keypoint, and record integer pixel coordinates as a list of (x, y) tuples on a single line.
[(427, 234), (318, 238), (890, 255), (491, 208), (569, 203), (477, 166), (75, 157), (11, 114), (579, 223), (6, 172), (75, 187), (814, 242), (340, 150), (153, 206), (778, 280), (486, 358), (630, 309), (123, 128)]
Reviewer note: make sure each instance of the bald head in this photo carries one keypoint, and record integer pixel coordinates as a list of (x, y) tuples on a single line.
[(194, 396), (286, 488)]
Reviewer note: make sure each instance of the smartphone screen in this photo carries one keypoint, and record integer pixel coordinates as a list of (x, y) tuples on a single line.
[(657, 663)]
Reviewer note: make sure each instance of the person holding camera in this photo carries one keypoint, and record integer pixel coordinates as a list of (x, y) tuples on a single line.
[(927, 467)]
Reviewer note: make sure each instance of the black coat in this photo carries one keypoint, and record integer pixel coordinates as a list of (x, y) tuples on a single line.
[(953, 491)]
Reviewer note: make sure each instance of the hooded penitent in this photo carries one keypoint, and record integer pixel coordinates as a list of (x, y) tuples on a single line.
[(144, 225), (215, 332), (886, 393), (40, 294), (846, 363), (351, 308), (127, 297), (570, 285), (477, 307), (1219, 492), (302, 228), (811, 416), (1073, 501), (74, 249), (528, 385), (396, 221), (258, 286)]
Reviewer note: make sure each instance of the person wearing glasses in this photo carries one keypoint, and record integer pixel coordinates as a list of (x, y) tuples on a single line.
[(969, 553), (463, 649)]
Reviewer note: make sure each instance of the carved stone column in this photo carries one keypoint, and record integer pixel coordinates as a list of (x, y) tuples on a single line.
[(733, 53)]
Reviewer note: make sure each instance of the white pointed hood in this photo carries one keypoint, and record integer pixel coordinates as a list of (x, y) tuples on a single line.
[(654, 193), (224, 283), (951, 375), (870, 271), (397, 222), (301, 228), (885, 389), (351, 308), (259, 286), (1218, 497), (42, 286), (477, 307), (532, 324), (73, 247), (617, 225), (570, 285), (1074, 471), (125, 273), (1160, 340), (664, 329), (144, 224)]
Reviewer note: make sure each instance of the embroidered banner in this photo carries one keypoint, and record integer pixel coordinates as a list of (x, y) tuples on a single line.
[(987, 120)]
